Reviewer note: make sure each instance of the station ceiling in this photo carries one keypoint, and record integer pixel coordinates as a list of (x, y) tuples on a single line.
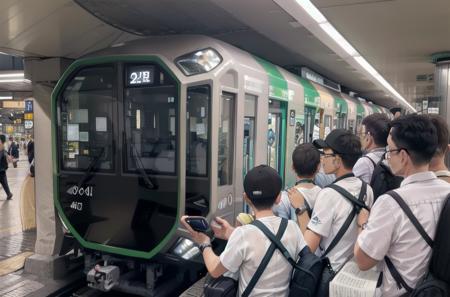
[(396, 36)]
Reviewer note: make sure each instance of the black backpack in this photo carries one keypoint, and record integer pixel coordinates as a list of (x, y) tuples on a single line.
[(436, 281), (383, 180)]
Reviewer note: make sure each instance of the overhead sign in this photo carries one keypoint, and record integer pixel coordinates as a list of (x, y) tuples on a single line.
[(28, 106), (28, 124), (28, 116), (14, 104)]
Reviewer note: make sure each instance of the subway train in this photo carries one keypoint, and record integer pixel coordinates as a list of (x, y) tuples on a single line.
[(147, 131)]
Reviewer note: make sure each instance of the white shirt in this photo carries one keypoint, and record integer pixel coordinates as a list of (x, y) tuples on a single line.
[(364, 167), (285, 210), (390, 233), (246, 248), (330, 212)]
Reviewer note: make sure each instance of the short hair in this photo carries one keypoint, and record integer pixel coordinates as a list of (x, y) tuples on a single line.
[(305, 159), (394, 110), (2, 138), (352, 150), (416, 134), (377, 125), (442, 133)]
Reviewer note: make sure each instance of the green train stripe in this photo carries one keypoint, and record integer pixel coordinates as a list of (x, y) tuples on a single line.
[(360, 109), (340, 105), (312, 97), (375, 109), (278, 87)]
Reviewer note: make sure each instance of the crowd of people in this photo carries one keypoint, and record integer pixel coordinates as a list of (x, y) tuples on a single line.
[(406, 155), (9, 153)]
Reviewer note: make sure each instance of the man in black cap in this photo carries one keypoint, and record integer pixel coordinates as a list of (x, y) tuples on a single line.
[(247, 244), (339, 153)]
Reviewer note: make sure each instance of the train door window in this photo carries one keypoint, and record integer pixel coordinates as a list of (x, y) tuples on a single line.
[(150, 111), (85, 117), (249, 132), (275, 132), (226, 140), (310, 114), (351, 126), (327, 125)]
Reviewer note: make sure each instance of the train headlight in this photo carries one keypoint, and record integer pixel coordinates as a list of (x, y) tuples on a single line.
[(198, 62), (186, 249)]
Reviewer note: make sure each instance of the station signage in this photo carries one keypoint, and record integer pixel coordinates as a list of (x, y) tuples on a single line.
[(28, 116), (28, 124), (13, 104), (28, 106)]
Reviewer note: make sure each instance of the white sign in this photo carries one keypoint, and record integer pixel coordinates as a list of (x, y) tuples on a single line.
[(28, 124)]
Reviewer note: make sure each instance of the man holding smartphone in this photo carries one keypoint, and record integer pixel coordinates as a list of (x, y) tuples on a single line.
[(247, 245)]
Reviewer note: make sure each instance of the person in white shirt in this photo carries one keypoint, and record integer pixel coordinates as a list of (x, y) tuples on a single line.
[(247, 244), (437, 163), (341, 150), (387, 231), (374, 133), (305, 163)]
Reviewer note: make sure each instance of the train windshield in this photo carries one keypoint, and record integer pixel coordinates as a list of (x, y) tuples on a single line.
[(150, 123), (85, 118)]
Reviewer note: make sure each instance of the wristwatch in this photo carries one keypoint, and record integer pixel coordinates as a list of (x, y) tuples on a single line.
[(203, 246), (300, 210), (362, 226)]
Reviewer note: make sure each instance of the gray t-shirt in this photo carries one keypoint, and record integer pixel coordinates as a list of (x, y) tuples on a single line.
[(247, 246)]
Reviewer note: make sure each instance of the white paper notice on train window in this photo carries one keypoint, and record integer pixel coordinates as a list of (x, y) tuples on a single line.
[(100, 124), (84, 136), (201, 130), (202, 111), (73, 132)]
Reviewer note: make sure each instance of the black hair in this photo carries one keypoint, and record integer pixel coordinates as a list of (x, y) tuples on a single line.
[(416, 134), (352, 150), (394, 110), (377, 125), (442, 133), (305, 159), (2, 138)]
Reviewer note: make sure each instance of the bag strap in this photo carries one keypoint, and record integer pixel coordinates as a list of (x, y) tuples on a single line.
[(265, 261), (411, 217), (282, 249), (349, 220), (373, 162), (394, 272), (358, 203)]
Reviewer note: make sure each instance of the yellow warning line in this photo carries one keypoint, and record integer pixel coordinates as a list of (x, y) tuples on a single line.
[(14, 263)]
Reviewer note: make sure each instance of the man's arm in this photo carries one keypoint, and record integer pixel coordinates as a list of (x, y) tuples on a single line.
[(213, 264), (362, 259), (312, 239)]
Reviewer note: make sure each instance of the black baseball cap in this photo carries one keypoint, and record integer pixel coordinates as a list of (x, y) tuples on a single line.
[(262, 183), (338, 141)]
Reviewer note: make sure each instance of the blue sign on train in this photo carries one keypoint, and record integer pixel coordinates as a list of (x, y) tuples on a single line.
[(29, 106)]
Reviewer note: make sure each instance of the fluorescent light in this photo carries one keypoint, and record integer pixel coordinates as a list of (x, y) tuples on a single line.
[(333, 33), (312, 10), (14, 74), (6, 97), (14, 80), (369, 68)]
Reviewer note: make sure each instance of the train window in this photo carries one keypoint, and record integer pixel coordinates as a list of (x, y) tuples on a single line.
[(197, 130), (249, 132), (150, 111), (327, 125), (85, 117), (226, 143)]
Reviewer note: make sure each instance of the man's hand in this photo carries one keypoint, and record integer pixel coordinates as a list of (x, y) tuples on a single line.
[(197, 237), (295, 197), (222, 229)]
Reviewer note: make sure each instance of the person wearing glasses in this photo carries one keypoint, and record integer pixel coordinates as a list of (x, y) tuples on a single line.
[(374, 133), (339, 152), (387, 231)]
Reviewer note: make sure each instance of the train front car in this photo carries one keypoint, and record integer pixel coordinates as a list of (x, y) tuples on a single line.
[(122, 152)]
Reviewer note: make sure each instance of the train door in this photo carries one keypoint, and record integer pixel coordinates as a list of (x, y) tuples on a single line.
[(276, 135), (225, 157), (249, 137)]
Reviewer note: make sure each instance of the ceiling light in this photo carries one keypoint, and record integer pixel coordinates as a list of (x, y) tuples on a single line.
[(333, 33), (12, 74), (6, 97), (312, 10), (15, 80)]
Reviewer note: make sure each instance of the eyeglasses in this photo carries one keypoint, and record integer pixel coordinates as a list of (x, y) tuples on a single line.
[(387, 154), (325, 155)]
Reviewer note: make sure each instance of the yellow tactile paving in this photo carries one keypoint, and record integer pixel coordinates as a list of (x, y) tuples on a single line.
[(14, 263)]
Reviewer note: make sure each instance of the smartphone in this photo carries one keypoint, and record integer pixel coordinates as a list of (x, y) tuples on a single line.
[(199, 224)]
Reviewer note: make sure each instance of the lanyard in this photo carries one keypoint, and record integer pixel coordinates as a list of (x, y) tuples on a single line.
[(343, 177), (304, 181)]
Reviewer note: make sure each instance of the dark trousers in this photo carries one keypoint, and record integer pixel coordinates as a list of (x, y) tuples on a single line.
[(4, 182)]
